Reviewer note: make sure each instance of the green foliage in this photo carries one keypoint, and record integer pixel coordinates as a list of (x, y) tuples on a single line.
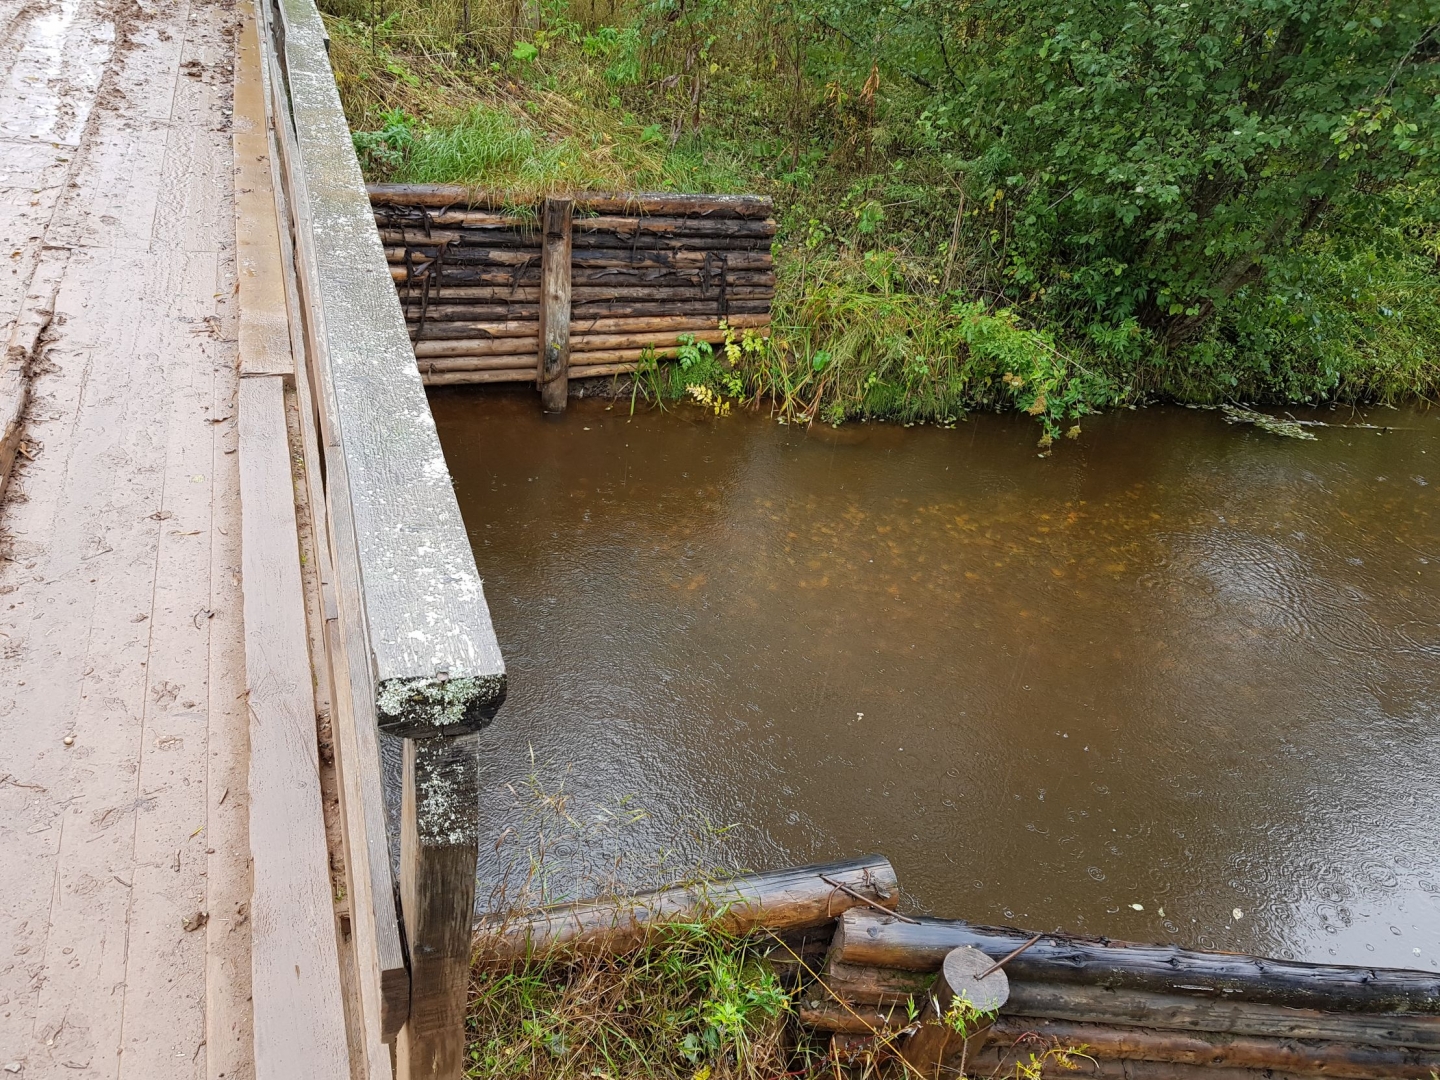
[(1156, 157), (693, 1000), (1198, 199)]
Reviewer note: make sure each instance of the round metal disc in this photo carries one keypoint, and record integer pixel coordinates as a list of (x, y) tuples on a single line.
[(961, 967)]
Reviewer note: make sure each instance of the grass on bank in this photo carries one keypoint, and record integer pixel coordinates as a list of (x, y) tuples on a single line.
[(694, 1003), (896, 293)]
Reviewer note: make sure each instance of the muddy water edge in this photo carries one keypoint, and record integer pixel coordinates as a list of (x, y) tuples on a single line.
[(1177, 682)]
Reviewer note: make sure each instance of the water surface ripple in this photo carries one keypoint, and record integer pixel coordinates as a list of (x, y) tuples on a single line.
[(1178, 664)]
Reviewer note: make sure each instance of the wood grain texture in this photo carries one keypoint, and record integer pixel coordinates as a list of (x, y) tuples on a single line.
[(299, 1018), (554, 335), (431, 643), (870, 939), (789, 899), (439, 844), (263, 325), (385, 975), (1096, 1004), (1112, 1042), (457, 197), (129, 524)]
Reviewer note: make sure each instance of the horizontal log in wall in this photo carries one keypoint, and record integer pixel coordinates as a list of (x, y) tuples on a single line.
[(1137, 1011), (643, 271)]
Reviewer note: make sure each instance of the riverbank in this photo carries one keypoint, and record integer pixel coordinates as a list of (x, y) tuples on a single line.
[(901, 286)]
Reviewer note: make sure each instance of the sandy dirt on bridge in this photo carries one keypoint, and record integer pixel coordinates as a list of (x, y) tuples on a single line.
[(124, 936)]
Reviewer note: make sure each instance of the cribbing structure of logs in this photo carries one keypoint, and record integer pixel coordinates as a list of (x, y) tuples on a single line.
[(572, 287), (1137, 1010), (865, 977)]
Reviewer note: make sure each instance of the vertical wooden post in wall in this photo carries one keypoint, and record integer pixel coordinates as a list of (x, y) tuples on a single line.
[(554, 360), (439, 845)]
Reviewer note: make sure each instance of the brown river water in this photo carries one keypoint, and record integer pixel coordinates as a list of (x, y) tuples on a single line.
[(1179, 664)]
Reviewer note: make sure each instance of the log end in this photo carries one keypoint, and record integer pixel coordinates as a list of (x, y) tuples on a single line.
[(426, 706)]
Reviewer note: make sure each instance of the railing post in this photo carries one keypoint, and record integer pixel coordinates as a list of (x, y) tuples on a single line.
[(439, 844), (554, 359)]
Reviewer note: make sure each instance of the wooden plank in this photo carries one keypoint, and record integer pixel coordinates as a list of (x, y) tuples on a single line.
[(437, 666), (440, 842), (554, 358), (263, 329), (385, 974), (299, 1019)]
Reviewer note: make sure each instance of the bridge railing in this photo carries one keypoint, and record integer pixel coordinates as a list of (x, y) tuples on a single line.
[(411, 648)]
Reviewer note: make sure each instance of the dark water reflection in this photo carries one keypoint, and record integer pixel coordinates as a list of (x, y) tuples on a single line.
[(1178, 664)]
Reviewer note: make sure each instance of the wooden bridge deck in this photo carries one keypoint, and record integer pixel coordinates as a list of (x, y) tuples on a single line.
[(124, 931)]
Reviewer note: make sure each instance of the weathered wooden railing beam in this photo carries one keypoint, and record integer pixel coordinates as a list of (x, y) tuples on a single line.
[(417, 645)]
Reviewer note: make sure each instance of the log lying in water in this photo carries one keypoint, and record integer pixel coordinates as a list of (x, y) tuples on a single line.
[(779, 901), (874, 940), (460, 197)]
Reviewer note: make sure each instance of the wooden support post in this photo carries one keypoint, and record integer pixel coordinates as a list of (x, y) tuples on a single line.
[(554, 359), (439, 844), (926, 1049)]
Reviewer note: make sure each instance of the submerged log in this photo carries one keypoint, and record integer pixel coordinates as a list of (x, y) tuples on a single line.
[(867, 938), (779, 900)]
